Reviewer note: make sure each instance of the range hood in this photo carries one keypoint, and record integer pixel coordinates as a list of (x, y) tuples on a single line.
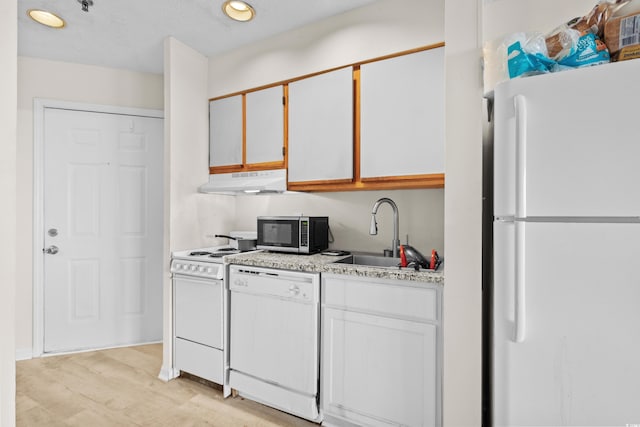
[(254, 182)]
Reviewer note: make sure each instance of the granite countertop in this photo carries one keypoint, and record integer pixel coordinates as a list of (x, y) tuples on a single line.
[(318, 263)]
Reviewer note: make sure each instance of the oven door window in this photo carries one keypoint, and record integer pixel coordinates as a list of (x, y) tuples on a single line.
[(280, 233)]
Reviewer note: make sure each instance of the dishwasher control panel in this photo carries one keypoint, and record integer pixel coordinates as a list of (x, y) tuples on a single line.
[(303, 287)]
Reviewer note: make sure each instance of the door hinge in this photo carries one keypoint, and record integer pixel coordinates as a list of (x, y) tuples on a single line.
[(284, 151), (284, 101)]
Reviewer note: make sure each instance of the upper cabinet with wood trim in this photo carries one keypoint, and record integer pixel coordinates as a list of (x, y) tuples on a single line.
[(321, 127), (247, 131), (265, 126), (225, 132), (373, 125), (402, 115)]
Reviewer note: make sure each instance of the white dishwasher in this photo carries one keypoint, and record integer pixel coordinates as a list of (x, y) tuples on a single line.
[(274, 348)]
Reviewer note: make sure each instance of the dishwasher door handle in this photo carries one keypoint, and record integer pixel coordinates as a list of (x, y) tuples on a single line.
[(294, 290)]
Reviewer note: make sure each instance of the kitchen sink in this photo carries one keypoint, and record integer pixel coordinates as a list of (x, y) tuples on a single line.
[(371, 260), (374, 261)]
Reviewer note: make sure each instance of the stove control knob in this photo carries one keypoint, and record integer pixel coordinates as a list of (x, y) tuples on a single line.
[(200, 269), (193, 268), (209, 270)]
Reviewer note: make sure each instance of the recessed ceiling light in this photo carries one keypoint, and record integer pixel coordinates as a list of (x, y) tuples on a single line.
[(238, 10), (46, 18)]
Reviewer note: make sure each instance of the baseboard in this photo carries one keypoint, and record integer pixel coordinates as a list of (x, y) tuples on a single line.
[(167, 373), (24, 354)]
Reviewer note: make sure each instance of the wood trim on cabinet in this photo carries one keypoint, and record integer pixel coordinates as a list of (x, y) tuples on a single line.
[(285, 147), (225, 169), (382, 183), (244, 128), (247, 168), (405, 178), (356, 123)]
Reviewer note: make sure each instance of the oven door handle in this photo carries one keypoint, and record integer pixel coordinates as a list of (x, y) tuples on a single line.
[(197, 279)]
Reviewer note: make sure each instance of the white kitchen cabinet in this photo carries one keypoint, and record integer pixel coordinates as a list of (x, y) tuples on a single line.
[(225, 131), (321, 127), (265, 125), (402, 115), (381, 352)]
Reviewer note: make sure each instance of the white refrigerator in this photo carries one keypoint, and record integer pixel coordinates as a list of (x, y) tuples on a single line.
[(566, 261)]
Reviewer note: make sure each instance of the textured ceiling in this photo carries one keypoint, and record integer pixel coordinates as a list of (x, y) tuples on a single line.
[(130, 33)]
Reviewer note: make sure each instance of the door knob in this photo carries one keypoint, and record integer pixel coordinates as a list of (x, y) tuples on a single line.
[(53, 249)]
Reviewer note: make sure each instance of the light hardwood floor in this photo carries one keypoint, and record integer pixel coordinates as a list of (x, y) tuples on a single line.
[(120, 387)]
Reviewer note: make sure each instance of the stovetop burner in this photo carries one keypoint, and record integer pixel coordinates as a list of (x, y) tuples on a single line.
[(199, 253), (221, 254)]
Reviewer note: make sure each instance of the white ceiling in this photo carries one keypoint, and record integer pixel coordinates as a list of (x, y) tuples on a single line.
[(130, 33)]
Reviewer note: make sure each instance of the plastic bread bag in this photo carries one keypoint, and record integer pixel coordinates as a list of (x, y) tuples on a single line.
[(589, 50), (563, 41), (527, 55)]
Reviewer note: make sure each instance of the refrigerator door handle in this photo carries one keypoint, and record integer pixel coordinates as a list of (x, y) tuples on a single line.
[(520, 108), (519, 306)]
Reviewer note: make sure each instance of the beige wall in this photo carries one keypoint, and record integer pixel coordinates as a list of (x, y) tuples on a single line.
[(349, 214), (501, 17), (379, 29), (38, 78), (8, 77), (194, 216), (189, 214), (384, 27), (463, 217)]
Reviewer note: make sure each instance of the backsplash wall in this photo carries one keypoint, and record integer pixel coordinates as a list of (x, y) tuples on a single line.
[(421, 216)]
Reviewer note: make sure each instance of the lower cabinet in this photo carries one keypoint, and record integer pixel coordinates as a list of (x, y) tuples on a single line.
[(381, 352)]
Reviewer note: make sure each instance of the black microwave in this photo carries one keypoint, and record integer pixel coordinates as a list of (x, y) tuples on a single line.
[(294, 234)]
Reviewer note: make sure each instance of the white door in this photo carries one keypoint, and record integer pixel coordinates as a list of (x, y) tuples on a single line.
[(102, 229)]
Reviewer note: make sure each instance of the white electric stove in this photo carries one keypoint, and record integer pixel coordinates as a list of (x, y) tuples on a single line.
[(200, 313)]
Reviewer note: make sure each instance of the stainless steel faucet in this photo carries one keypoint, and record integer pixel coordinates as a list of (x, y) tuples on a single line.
[(373, 228)]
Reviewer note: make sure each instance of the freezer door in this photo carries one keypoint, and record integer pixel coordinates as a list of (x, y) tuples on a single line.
[(568, 143), (577, 363)]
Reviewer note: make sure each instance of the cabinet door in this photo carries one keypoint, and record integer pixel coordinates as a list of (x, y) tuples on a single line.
[(321, 127), (225, 131), (265, 125), (402, 115), (379, 371)]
